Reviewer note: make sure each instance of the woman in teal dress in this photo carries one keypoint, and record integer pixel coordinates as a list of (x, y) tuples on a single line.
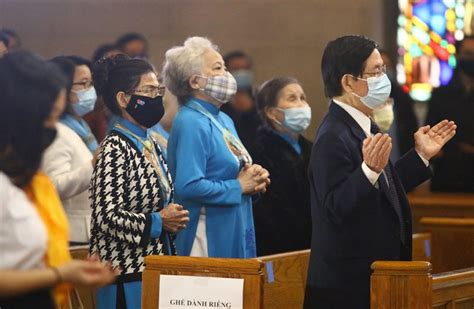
[(213, 172)]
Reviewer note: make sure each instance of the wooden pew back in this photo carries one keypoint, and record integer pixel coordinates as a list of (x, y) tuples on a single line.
[(400, 285), (285, 274), (81, 297), (452, 242), (248, 269), (428, 204), (285, 279), (454, 290), (421, 250)]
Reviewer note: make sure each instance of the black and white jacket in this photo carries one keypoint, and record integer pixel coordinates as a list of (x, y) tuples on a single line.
[(124, 192)]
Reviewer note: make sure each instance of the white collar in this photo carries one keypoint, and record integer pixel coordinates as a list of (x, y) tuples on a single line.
[(362, 119)]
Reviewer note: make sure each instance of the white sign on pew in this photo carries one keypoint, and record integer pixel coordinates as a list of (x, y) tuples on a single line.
[(184, 292)]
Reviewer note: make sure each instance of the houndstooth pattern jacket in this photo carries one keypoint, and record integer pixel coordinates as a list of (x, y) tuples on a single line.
[(124, 192)]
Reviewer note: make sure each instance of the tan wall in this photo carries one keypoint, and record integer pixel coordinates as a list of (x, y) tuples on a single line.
[(285, 37)]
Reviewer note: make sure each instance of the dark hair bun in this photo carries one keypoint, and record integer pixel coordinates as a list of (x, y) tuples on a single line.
[(102, 69), (115, 74)]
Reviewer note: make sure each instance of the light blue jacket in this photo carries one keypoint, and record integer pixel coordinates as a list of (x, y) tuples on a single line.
[(205, 175)]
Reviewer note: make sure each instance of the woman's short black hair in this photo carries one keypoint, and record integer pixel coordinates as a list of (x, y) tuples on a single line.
[(345, 55), (29, 87), (115, 74), (68, 64), (78, 60), (267, 94), (67, 67)]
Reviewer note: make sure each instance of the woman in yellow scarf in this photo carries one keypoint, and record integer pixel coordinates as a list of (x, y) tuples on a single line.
[(36, 270)]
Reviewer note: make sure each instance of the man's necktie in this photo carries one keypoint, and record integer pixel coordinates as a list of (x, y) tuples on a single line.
[(389, 185)]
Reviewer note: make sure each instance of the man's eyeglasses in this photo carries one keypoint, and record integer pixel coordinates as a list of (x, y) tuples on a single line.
[(378, 71)]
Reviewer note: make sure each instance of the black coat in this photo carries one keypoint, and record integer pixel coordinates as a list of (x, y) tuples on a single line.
[(246, 123), (354, 223), (282, 215), (454, 170)]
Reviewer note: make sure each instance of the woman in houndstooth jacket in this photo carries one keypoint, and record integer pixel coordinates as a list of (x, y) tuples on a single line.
[(131, 189)]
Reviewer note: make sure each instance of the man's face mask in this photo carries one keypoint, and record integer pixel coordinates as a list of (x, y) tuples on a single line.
[(379, 91)]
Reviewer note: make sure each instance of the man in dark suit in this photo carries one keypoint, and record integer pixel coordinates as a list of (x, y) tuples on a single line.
[(359, 207)]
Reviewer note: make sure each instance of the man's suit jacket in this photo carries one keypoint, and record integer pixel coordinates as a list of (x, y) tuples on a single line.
[(354, 222)]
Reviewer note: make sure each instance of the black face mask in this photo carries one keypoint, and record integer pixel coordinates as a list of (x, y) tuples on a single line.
[(145, 110), (49, 134), (467, 66)]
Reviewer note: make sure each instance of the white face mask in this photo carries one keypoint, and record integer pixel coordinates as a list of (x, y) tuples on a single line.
[(384, 116), (296, 119)]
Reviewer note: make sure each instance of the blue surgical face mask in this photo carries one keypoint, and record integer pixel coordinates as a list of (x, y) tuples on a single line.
[(379, 91), (86, 101), (297, 119), (244, 79)]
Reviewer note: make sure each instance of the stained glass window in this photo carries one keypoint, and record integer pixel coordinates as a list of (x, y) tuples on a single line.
[(427, 33)]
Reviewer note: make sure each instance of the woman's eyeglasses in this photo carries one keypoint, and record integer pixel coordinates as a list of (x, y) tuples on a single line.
[(151, 91), (86, 84)]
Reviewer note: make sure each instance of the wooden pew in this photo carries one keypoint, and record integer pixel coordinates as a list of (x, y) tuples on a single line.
[(428, 204), (421, 248), (248, 269), (411, 285), (452, 242), (285, 274), (81, 297), (454, 290), (285, 279)]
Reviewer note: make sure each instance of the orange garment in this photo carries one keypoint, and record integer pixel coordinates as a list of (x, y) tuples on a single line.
[(43, 195)]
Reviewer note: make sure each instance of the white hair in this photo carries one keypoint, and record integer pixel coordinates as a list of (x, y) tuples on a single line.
[(182, 62)]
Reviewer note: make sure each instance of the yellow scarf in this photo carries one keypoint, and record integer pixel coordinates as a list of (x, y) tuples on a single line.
[(42, 193)]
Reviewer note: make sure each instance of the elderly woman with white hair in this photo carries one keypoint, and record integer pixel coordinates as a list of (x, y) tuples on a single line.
[(213, 172)]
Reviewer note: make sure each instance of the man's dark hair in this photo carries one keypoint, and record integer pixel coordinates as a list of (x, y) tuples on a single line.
[(345, 55), (235, 55), (129, 37)]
